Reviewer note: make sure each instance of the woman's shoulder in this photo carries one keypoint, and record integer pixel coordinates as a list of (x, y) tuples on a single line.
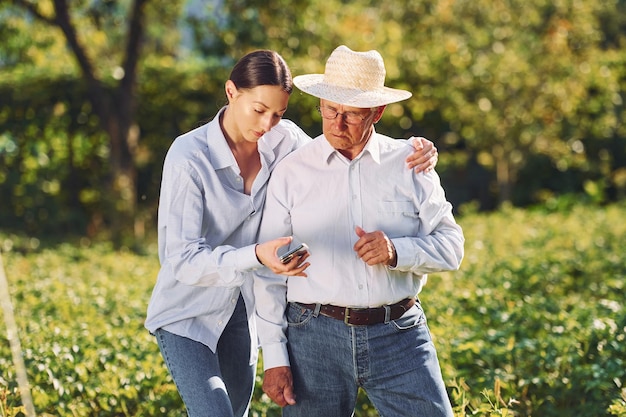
[(189, 142)]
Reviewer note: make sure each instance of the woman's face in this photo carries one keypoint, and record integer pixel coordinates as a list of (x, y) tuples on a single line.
[(253, 112)]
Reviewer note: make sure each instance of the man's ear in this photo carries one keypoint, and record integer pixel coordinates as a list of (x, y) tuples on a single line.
[(379, 113)]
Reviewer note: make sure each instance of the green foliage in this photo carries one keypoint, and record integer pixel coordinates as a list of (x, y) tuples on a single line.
[(525, 100), (618, 408), (83, 337), (506, 84), (538, 305), (515, 80), (533, 323), (52, 157)]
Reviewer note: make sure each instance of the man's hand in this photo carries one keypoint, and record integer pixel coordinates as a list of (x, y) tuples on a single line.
[(267, 254), (375, 248), (278, 385), (425, 156)]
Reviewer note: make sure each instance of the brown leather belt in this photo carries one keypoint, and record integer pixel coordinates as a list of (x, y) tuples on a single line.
[(363, 316)]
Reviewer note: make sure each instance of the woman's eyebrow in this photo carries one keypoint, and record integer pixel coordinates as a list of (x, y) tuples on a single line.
[(264, 105)]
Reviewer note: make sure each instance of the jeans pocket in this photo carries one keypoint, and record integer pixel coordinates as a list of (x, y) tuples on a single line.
[(297, 315), (412, 318)]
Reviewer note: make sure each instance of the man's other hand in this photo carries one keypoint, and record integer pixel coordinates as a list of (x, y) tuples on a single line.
[(278, 385)]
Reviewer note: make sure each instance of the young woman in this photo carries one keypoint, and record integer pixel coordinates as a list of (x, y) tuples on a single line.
[(212, 196)]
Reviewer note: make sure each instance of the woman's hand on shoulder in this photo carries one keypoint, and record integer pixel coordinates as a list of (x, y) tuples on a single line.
[(425, 156)]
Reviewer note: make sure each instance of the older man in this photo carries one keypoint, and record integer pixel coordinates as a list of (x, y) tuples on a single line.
[(374, 230)]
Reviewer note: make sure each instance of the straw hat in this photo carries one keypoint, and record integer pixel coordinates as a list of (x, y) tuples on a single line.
[(353, 79)]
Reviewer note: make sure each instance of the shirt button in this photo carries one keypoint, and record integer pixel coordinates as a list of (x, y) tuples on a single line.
[(360, 286)]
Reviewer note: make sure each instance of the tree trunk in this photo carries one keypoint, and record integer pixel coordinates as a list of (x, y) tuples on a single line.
[(123, 181), (503, 175)]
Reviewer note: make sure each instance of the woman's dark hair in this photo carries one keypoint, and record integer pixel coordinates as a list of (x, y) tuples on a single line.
[(263, 67)]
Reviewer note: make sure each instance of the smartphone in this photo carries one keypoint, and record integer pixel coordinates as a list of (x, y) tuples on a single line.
[(297, 251)]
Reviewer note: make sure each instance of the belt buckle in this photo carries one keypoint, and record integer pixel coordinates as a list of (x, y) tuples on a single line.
[(346, 316)]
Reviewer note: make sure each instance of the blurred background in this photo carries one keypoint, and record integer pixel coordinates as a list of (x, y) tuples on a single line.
[(524, 99)]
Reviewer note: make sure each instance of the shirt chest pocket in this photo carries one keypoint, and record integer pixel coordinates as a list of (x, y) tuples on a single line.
[(403, 208), (397, 218)]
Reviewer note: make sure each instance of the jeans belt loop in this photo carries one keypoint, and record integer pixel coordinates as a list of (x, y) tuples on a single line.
[(346, 316), (387, 313), (316, 311)]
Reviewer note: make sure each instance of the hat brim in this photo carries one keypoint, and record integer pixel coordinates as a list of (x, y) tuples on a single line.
[(314, 85)]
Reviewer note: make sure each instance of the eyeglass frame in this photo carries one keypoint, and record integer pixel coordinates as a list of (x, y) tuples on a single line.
[(344, 115)]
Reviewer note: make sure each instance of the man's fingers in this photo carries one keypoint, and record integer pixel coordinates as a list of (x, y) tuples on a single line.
[(425, 156), (275, 394), (288, 396)]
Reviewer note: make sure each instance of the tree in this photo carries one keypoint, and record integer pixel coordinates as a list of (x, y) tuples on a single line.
[(513, 79), (116, 107)]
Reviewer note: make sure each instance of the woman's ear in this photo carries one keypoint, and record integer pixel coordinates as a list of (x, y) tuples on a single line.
[(231, 89)]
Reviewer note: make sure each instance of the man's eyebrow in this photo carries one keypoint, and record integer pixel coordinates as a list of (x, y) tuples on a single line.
[(360, 113)]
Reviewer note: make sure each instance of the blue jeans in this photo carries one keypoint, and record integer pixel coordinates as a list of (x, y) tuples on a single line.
[(395, 363), (212, 384)]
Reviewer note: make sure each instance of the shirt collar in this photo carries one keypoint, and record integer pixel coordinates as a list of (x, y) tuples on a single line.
[(372, 147), (219, 152)]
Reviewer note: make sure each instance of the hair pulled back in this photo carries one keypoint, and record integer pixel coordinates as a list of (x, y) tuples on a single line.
[(262, 67)]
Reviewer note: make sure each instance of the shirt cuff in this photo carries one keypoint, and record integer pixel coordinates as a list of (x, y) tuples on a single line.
[(405, 258), (246, 258), (275, 355)]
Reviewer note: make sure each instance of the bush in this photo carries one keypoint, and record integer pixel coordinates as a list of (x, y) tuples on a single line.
[(532, 324)]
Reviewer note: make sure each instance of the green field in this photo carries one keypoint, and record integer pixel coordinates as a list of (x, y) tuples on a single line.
[(533, 324)]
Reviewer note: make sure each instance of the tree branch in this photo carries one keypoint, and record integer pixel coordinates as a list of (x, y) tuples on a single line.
[(62, 20), (94, 85), (133, 45)]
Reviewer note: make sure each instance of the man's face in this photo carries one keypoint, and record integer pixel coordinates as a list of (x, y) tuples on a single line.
[(347, 128)]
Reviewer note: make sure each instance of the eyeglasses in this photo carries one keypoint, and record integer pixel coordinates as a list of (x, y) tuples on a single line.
[(349, 117)]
